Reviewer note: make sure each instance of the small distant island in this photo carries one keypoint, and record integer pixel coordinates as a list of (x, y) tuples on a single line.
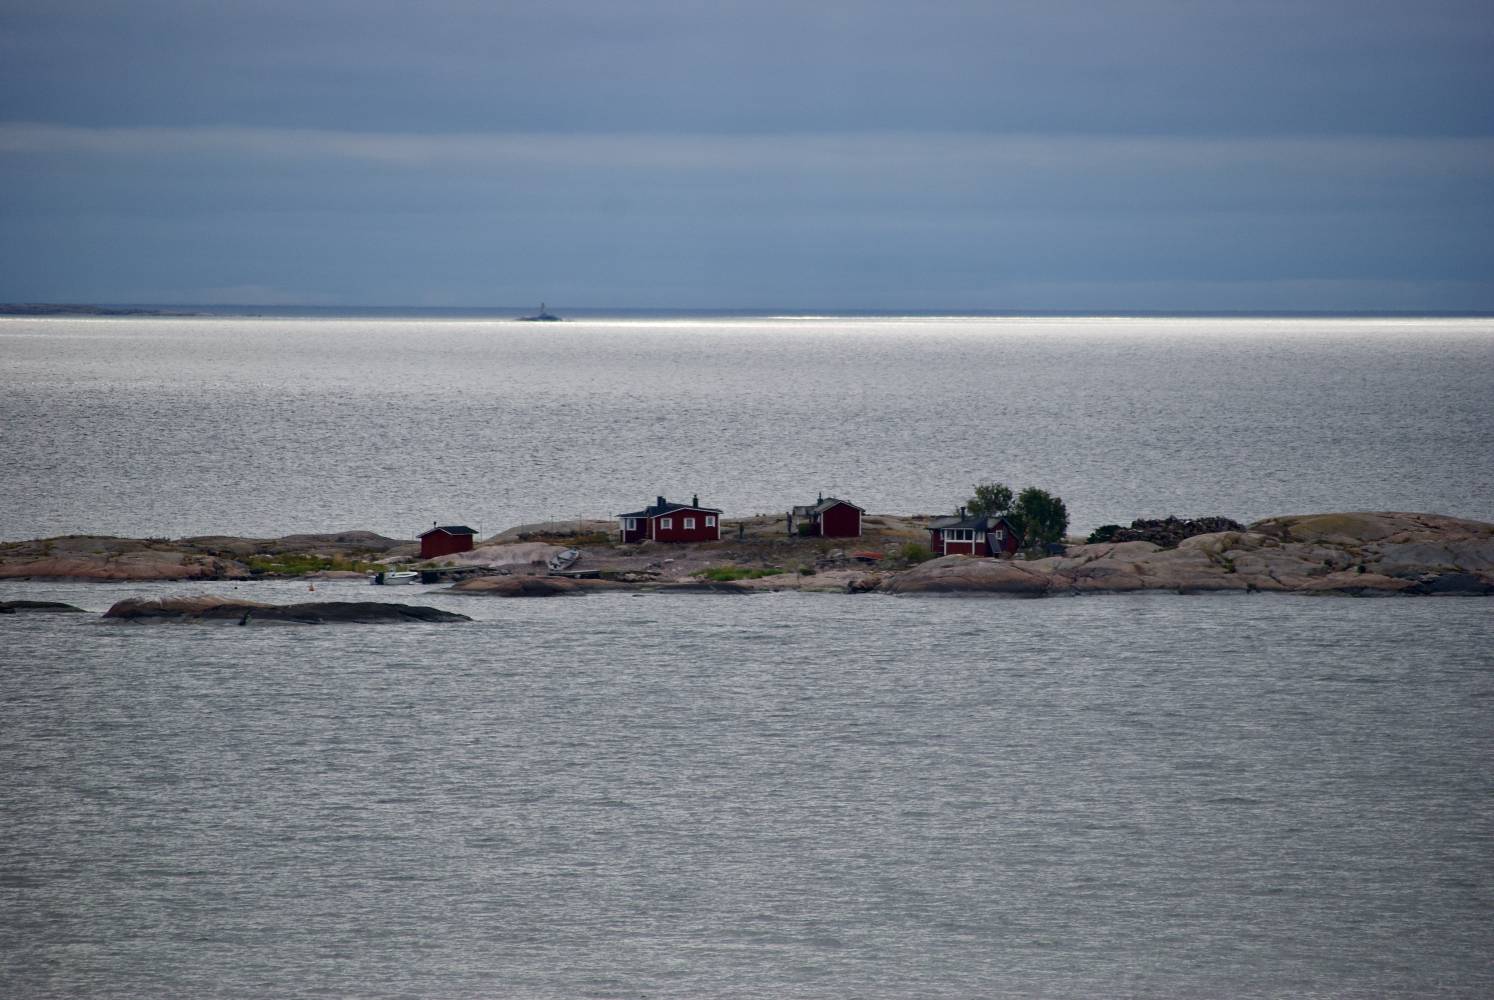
[(1344, 554), (64, 309)]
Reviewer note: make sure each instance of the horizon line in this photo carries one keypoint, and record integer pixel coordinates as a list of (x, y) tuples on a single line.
[(786, 312)]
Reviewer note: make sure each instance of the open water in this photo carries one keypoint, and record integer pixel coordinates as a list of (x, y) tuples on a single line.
[(715, 796), (174, 427)]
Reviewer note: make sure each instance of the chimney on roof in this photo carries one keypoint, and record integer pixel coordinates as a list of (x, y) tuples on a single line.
[(821, 498), (661, 502), (962, 511), (695, 500)]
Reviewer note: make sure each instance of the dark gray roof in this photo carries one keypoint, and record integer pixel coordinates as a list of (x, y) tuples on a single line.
[(821, 505), (975, 522), (829, 502), (665, 507), (450, 529)]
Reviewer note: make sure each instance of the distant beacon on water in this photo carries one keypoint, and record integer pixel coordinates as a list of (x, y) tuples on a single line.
[(543, 316)]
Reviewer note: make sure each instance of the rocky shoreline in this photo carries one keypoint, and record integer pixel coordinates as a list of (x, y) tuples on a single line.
[(1357, 554), (1352, 554)]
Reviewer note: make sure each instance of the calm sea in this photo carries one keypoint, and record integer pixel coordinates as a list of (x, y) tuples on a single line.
[(172, 427), (772, 796)]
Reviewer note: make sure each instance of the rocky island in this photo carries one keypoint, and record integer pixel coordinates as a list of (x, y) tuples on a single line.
[(1352, 554)]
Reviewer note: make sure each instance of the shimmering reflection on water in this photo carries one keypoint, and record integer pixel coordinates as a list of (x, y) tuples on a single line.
[(791, 795), (271, 426)]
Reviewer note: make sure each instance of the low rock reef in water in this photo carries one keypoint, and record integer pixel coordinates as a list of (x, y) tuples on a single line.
[(220, 609), (14, 607)]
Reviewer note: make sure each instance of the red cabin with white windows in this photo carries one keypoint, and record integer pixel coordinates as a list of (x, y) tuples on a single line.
[(973, 535), (672, 522), (827, 517), (445, 540)]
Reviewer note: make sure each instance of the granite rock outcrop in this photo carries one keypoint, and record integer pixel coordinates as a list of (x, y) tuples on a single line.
[(1358, 554)]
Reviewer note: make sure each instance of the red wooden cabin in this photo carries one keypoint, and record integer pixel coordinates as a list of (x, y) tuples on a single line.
[(973, 535), (445, 540), (828, 517), (672, 522)]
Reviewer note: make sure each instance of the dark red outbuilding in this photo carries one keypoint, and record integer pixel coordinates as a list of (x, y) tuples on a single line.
[(829, 517), (445, 540)]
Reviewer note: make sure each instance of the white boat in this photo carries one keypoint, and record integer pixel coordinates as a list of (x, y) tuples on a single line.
[(563, 559), (396, 576)]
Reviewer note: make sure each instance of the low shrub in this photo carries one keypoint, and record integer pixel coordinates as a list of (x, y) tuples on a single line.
[(914, 552)]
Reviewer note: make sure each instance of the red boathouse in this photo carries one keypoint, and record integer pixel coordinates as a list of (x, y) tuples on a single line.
[(672, 522), (973, 535), (445, 540), (827, 517)]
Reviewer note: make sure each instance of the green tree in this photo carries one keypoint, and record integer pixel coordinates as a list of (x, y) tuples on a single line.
[(993, 499), (1039, 516)]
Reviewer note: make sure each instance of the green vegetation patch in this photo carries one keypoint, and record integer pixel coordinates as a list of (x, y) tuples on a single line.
[(913, 553), (570, 539), (301, 564), (726, 574)]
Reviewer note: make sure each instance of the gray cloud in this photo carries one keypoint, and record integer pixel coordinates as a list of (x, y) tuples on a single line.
[(886, 153), (1331, 155), (1270, 66)]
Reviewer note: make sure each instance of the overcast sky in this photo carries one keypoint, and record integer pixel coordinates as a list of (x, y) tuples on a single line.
[(1231, 155)]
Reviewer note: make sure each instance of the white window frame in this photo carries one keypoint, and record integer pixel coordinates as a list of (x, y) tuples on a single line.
[(666, 524), (999, 534), (710, 520), (630, 524), (959, 534), (689, 524)]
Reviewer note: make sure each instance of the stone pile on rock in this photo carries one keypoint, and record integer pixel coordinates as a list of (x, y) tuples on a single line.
[(1165, 532)]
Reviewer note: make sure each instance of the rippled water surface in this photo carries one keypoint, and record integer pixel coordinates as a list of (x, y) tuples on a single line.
[(178, 426), (716, 796), (783, 795)]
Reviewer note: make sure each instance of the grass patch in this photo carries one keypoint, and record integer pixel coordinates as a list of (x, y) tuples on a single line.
[(727, 574), (300, 565), (570, 539)]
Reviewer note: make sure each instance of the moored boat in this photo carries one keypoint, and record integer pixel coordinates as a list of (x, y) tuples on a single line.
[(389, 577)]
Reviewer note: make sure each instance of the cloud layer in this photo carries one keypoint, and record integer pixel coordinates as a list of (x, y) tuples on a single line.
[(878, 155)]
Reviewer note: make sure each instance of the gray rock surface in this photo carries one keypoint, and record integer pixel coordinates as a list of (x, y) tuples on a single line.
[(1354, 554), (519, 586)]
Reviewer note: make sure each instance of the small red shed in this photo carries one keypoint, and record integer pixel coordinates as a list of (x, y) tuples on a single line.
[(973, 535), (445, 540), (672, 522), (828, 517)]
